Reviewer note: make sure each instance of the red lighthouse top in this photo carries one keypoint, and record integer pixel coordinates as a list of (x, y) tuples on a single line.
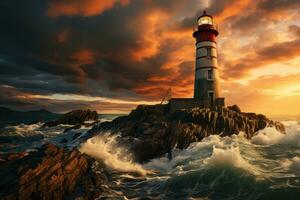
[(207, 30)]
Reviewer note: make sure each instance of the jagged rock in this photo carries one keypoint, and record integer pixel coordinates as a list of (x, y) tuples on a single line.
[(52, 173), (235, 108), (75, 117), (154, 130)]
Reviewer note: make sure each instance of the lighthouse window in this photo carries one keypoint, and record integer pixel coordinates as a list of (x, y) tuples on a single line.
[(210, 74)]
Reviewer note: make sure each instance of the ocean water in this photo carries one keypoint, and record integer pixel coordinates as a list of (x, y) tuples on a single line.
[(265, 167)]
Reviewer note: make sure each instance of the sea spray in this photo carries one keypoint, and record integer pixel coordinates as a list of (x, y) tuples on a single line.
[(227, 157), (267, 136), (270, 136), (106, 148)]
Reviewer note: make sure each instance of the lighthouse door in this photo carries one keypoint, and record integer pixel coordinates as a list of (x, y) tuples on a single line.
[(211, 96)]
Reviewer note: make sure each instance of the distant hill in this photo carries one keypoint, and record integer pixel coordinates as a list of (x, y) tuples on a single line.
[(13, 117)]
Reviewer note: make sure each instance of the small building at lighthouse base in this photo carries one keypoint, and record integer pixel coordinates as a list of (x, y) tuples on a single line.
[(188, 103)]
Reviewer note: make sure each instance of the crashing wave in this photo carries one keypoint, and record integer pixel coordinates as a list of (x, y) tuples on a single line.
[(227, 157), (270, 136), (106, 148)]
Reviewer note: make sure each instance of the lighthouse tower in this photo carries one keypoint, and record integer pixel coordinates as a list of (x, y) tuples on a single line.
[(206, 88)]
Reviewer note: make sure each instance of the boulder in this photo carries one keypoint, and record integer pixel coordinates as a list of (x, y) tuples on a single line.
[(75, 117)]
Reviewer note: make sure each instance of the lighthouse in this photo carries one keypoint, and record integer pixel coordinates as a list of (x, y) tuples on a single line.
[(206, 85)]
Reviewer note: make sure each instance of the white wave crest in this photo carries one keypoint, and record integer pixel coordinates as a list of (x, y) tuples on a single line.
[(270, 136), (105, 147), (22, 130), (28, 130), (196, 150), (267, 136), (227, 157)]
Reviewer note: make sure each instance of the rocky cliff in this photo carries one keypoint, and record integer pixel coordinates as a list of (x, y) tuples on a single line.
[(52, 173), (152, 131)]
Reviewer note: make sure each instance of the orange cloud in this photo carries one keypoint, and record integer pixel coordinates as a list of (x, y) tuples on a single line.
[(149, 44), (82, 7), (233, 9), (84, 56)]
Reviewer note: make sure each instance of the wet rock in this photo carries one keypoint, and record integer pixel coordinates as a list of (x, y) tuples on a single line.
[(52, 173), (75, 117), (155, 130), (64, 141), (76, 135), (11, 156)]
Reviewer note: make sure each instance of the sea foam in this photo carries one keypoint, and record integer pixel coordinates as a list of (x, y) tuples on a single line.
[(271, 136), (227, 157), (22, 130), (106, 148)]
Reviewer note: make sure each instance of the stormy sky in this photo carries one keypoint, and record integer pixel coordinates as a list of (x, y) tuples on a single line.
[(111, 55)]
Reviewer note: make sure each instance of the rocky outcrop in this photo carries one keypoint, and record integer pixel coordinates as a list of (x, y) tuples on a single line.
[(151, 131), (75, 117), (52, 173)]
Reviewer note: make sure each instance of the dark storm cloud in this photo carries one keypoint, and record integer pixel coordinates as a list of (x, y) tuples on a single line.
[(113, 50), (215, 9), (278, 5), (261, 14), (39, 52)]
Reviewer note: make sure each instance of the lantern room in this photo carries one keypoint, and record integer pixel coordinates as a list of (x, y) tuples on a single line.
[(205, 19)]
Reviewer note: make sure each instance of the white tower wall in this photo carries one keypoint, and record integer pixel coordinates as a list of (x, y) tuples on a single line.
[(207, 74)]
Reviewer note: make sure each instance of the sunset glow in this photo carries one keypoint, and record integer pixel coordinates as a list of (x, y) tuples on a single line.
[(111, 55)]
